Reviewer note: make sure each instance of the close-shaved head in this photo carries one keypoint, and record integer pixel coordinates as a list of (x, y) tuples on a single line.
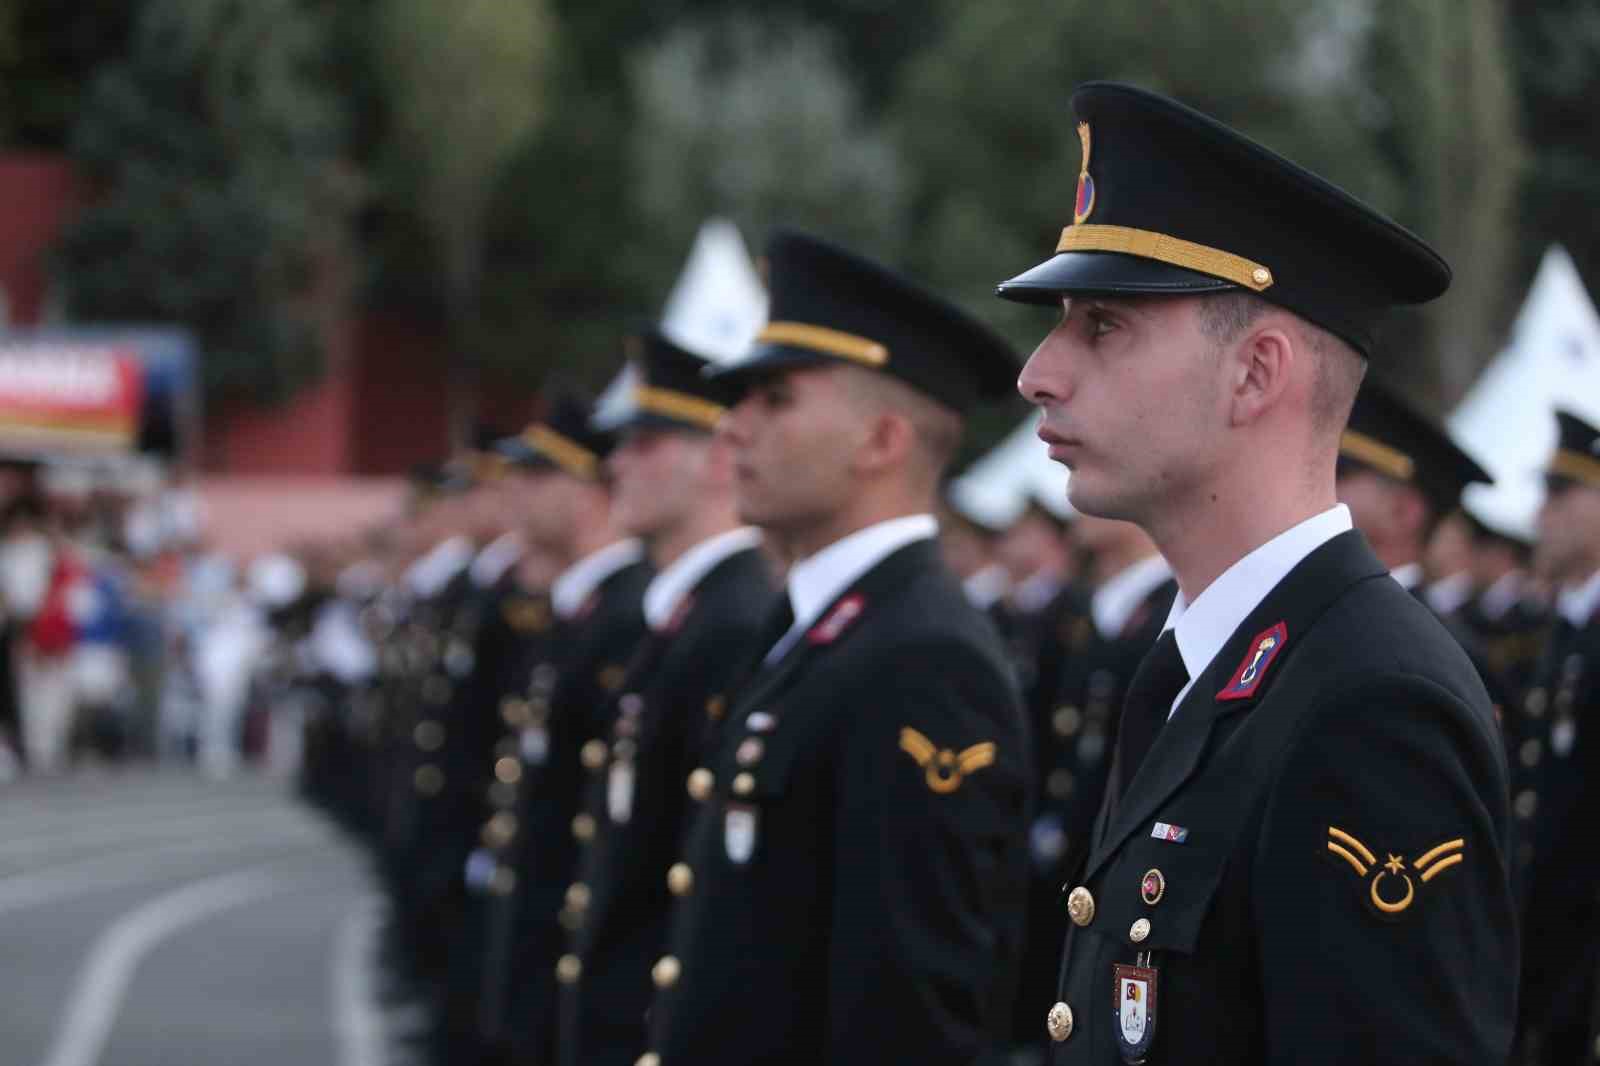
[(937, 428)]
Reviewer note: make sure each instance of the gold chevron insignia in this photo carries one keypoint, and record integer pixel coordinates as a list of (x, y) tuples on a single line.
[(1385, 891), (943, 768)]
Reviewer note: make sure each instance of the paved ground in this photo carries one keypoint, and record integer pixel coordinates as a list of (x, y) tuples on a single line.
[(156, 919)]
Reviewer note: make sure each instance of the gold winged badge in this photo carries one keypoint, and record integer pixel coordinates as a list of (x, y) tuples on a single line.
[(1398, 891), (943, 768)]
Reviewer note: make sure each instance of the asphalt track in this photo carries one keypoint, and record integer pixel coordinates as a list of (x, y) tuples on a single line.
[(153, 918)]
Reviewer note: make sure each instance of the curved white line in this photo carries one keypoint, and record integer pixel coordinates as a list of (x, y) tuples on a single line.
[(357, 1022), (103, 981)]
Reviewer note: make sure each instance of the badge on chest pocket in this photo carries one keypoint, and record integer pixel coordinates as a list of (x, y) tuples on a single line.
[(740, 825), (1134, 991), (619, 791)]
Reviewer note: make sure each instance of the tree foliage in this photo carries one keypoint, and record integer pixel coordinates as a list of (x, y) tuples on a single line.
[(217, 144)]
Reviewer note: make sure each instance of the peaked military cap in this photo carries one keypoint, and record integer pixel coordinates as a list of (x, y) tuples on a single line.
[(674, 390), (1172, 202), (1577, 454), (1387, 436), (829, 305), (562, 439)]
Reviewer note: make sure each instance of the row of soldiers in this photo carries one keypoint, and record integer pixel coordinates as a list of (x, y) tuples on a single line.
[(711, 757)]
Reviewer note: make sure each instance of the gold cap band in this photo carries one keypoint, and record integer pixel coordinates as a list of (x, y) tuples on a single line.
[(1147, 244), (566, 453), (1575, 465), (828, 341), (679, 405), (1379, 456)]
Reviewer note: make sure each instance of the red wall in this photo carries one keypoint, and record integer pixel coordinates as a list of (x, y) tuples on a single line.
[(39, 194)]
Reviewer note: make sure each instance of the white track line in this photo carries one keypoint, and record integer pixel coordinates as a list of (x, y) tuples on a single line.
[(97, 996), (357, 1021)]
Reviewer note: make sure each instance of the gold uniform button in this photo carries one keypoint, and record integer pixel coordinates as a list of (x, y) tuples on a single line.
[(1067, 720), (583, 827), (593, 754), (507, 770), (1080, 906), (666, 971), (680, 879), (428, 779), (1139, 931), (744, 784), (503, 881), (1059, 1022), (1261, 275), (750, 751), (649, 1058), (500, 829), (701, 783), (578, 896), (514, 712), (1526, 803), (429, 735), (568, 969)]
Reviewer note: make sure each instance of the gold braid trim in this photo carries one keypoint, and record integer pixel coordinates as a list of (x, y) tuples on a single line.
[(1147, 244), (565, 452), (1577, 466), (1379, 456), (679, 405), (828, 341)]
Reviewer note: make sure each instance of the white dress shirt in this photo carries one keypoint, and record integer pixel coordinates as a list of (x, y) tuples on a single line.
[(1577, 603), (1114, 602), (985, 587), (493, 561), (1503, 595), (816, 581), (1409, 575), (1204, 626), (668, 588), (577, 582), (428, 576), (1449, 594)]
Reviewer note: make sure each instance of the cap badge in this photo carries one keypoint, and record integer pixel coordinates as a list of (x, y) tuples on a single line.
[(1263, 652), (1084, 205), (944, 769), (1391, 890)]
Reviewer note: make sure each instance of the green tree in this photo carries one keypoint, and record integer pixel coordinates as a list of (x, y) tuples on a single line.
[(1555, 50), (466, 85), (217, 143)]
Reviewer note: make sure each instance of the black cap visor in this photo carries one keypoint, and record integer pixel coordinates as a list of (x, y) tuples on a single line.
[(1106, 274)]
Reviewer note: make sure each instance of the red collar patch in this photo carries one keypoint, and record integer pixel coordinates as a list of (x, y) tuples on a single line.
[(1263, 651), (845, 612), (680, 615)]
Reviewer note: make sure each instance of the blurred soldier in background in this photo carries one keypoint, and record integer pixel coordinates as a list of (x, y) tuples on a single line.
[(674, 490), (856, 865), (560, 695), (1087, 661), (1554, 793)]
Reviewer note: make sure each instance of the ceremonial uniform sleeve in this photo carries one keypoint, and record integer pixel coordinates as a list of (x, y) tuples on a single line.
[(928, 860), (1386, 931)]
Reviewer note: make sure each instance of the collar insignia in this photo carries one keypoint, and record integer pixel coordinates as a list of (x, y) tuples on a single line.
[(1264, 649), (1083, 206), (1391, 887), (845, 612)]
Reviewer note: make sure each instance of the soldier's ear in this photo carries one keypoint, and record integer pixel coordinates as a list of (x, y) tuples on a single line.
[(888, 443), (1261, 366)]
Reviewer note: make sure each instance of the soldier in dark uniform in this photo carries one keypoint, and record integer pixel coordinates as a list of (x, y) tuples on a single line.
[(1301, 857), (855, 862), (1555, 795), (711, 590), (1086, 663), (555, 703), (1507, 613), (1401, 476)]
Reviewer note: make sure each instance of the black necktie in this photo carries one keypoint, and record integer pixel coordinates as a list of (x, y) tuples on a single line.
[(1157, 682)]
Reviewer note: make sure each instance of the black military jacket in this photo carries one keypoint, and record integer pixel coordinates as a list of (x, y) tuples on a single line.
[(1309, 865), (587, 662), (1556, 786), (675, 691), (1075, 717), (858, 863)]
